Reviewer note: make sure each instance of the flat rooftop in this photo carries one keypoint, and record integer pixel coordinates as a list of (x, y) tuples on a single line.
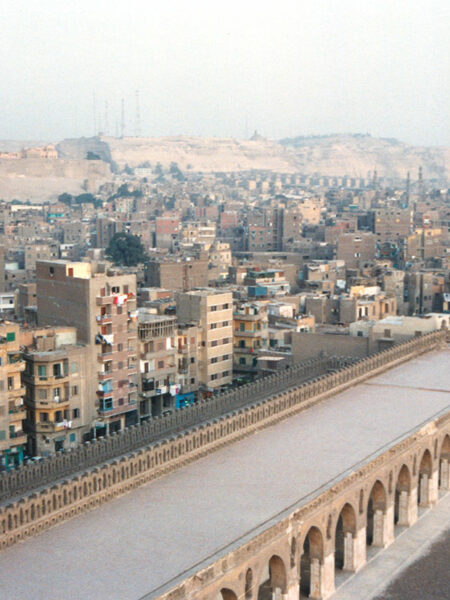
[(164, 531)]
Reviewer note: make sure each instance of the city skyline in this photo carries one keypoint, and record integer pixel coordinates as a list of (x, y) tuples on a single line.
[(285, 70)]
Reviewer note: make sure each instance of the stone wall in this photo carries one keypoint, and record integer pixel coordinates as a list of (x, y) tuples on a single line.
[(40, 510), (238, 570), (49, 470)]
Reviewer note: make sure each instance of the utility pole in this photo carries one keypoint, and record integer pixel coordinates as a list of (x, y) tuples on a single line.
[(122, 119), (138, 116)]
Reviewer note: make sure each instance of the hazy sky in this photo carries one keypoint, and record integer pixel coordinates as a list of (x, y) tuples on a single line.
[(225, 68)]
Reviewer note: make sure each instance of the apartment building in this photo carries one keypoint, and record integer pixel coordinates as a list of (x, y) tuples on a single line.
[(101, 304), (12, 410), (56, 379), (212, 311), (187, 345), (356, 248), (250, 335), (157, 363)]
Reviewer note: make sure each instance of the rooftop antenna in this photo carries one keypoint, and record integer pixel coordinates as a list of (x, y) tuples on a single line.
[(94, 113), (106, 128), (138, 116), (122, 119), (408, 184)]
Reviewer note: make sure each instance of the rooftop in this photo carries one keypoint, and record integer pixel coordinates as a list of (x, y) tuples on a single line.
[(168, 529)]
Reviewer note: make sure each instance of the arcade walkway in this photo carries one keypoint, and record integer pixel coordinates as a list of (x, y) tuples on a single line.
[(164, 531)]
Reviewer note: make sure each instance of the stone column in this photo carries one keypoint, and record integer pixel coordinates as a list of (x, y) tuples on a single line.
[(349, 552), (433, 488), (406, 510), (328, 575), (423, 483), (383, 527), (315, 579), (413, 507), (445, 474), (293, 591), (360, 549)]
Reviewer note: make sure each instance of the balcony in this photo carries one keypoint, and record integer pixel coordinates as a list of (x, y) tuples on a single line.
[(104, 375), (16, 392), (103, 300), (18, 438), (17, 413), (104, 319)]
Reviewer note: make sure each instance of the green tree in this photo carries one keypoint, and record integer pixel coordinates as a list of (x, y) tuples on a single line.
[(126, 249)]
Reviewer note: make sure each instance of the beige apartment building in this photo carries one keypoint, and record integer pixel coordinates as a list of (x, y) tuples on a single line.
[(57, 375), (101, 304), (12, 410), (212, 311), (157, 363)]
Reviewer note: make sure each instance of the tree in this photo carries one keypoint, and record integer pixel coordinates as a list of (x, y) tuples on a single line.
[(126, 249)]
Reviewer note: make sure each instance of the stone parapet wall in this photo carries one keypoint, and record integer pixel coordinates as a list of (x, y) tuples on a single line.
[(284, 538), (40, 510), (65, 464)]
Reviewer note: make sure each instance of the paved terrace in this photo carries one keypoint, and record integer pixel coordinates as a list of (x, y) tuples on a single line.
[(166, 530)]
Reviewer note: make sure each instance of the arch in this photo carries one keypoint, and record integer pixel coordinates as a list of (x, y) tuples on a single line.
[(248, 584), (227, 594), (377, 502), (313, 552), (424, 475), (402, 492), (277, 579), (345, 528)]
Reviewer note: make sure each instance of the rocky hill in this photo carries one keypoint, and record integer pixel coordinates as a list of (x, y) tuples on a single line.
[(332, 155)]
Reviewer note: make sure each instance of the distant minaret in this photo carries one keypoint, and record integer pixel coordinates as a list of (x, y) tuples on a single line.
[(421, 187), (94, 112), (408, 184), (375, 179), (122, 118), (106, 132), (138, 116)]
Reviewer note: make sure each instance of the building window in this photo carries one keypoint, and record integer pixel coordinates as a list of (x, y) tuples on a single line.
[(119, 347), (214, 376), (2, 435), (43, 417), (120, 365), (42, 394), (192, 360), (225, 323), (213, 326), (42, 372), (10, 336), (121, 401), (76, 413), (74, 367), (241, 326), (115, 289), (225, 357), (225, 373), (72, 437), (74, 390), (242, 360), (160, 364), (213, 308)]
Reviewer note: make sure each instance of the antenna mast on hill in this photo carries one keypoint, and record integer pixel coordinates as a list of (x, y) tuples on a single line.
[(138, 116), (122, 119), (106, 132), (94, 113)]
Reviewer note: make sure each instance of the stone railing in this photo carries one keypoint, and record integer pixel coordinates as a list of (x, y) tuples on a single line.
[(40, 510), (34, 475)]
